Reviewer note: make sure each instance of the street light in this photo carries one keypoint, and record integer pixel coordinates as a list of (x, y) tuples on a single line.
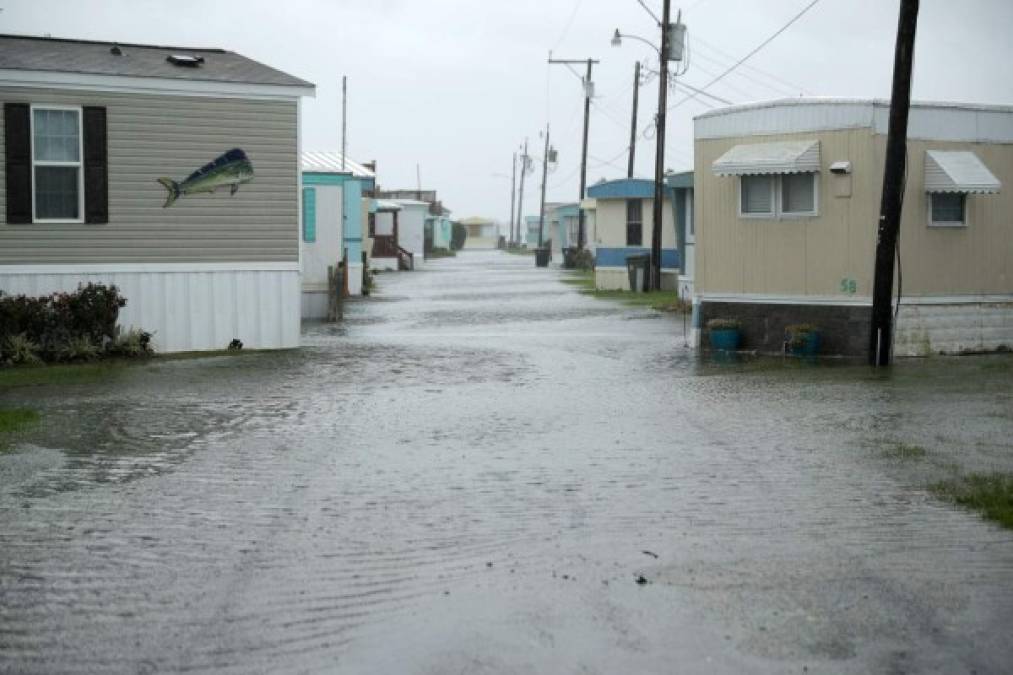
[(617, 41), (669, 32)]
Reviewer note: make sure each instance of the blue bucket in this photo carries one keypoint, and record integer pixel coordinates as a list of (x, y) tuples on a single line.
[(725, 339)]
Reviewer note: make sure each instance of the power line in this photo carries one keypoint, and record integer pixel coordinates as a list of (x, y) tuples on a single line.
[(722, 58), (754, 51), (569, 22), (648, 10)]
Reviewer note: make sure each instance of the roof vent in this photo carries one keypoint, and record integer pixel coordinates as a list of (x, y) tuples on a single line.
[(185, 60), (115, 50)]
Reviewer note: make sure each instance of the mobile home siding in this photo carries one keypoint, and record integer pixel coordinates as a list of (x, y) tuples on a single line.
[(150, 136), (812, 255), (796, 255)]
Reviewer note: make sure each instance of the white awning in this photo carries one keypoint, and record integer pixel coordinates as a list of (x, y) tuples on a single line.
[(387, 205), (958, 171), (766, 158)]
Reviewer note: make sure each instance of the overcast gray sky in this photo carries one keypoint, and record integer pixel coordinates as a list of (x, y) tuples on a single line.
[(456, 85)]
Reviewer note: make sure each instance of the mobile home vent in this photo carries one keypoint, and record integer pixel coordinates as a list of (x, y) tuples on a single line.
[(185, 60)]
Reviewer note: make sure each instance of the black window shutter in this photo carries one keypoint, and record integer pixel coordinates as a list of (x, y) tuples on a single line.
[(96, 169), (18, 149)]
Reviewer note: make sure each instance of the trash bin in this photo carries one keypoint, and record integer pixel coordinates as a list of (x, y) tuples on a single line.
[(543, 256), (636, 267), (568, 258)]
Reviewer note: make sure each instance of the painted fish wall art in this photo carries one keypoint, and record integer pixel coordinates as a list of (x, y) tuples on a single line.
[(231, 169)]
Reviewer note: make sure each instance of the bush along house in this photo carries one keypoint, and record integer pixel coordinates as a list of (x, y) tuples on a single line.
[(787, 199), (334, 206), (622, 228), (172, 173)]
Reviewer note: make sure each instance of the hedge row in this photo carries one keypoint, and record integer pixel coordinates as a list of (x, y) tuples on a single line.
[(66, 327)]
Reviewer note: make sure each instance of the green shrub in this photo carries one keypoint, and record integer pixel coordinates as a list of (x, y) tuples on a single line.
[(131, 344), (51, 321), (583, 259), (77, 348), (458, 235), (78, 326), (724, 324), (19, 350)]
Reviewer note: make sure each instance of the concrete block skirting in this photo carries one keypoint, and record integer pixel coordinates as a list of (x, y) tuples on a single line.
[(925, 326), (845, 328), (953, 328), (193, 309)]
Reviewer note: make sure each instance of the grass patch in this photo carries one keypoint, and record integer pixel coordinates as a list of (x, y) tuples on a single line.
[(991, 494), (904, 451), (78, 373), (519, 250), (440, 253), (15, 420), (663, 301)]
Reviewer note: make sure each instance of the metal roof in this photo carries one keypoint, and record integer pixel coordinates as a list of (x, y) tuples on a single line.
[(387, 205), (623, 188), (27, 52), (768, 158), (330, 162), (683, 179), (958, 171)]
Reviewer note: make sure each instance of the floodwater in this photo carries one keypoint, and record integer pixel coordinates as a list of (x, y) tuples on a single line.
[(470, 474)]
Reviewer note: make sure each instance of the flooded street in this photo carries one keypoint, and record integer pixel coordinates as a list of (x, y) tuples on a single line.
[(471, 473)]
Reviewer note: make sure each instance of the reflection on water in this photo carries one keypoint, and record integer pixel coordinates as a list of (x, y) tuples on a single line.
[(464, 476)]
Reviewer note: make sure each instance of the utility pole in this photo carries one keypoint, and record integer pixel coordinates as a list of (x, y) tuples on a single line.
[(344, 109), (588, 93), (659, 153), (514, 240), (881, 326), (520, 195), (633, 123), (545, 171)]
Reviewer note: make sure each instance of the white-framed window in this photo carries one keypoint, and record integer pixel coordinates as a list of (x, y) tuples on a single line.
[(57, 167), (947, 209), (788, 195), (756, 196), (798, 194)]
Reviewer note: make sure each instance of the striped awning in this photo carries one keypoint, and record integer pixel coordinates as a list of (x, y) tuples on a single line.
[(958, 171), (768, 158), (387, 205)]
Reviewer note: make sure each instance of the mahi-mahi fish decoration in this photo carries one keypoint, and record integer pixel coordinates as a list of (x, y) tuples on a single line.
[(233, 169)]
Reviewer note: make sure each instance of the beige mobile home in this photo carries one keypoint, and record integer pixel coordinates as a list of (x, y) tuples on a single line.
[(171, 172), (787, 202)]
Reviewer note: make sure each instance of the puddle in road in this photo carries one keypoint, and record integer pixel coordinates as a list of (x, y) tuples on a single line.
[(464, 475)]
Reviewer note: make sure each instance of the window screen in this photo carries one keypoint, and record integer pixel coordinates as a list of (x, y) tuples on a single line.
[(757, 194), (798, 193), (948, 207), (634, 222)]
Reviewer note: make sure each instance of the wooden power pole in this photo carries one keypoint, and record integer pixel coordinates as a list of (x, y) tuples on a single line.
[(588, 92), (659, 153), (514, 239), (633, 123), (520, 194), (545, 173), (881, 326)]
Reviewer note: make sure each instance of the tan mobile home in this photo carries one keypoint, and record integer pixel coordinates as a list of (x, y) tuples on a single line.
[(170, 172), (787, 203)]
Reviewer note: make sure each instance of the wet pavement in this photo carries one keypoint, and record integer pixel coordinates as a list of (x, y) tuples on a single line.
[(470, 474)]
